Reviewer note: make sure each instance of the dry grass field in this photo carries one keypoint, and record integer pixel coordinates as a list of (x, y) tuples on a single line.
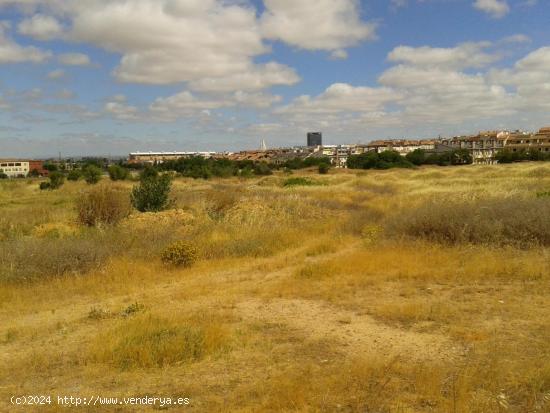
[(423, 290)]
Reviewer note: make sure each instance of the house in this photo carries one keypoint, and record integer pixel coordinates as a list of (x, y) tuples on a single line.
[(402, 146), (483, 147)]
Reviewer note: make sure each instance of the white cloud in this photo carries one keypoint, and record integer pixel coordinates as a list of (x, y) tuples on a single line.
[(339, 54), (342, 97), (206, 43), (316, 24), (530, 78), (11, 52), (172, 41), (74, 59), (253, 78), (495, 8), (56, 74), (466, 55), (40, 27), (122, 111)]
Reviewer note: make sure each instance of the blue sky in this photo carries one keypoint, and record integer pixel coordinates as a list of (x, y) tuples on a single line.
[(108, 77)]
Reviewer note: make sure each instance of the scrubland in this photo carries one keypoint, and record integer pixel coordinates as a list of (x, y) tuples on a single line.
[(424, 290)]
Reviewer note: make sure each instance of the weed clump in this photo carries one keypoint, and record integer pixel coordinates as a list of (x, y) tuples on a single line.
[(180, 254), (371, 233), (299, 181), (133, 309), (511, 221), (149, 341), (103, 206), (97, 313)]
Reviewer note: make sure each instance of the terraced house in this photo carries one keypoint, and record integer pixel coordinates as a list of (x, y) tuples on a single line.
[(539, 141)]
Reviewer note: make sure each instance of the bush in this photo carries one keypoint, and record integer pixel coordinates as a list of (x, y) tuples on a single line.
[(512, 221), (44, 186), (324, 168), (92, 174), (51, 167), (103, 206), (29, 259), (57, 179), (374, 160), (3, 175), (299, 181), (74, 175), (416, 157), (152, 193), (118, 173), (262, 169), (180, 254)]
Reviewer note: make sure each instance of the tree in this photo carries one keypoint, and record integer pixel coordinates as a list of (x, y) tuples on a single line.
[(34, 173), (152, 193), (48, 166), (118, 173), (74, 175), (57, 179), (92, 174), (262, 168), (416, 157), (461, 157), (324, 168)]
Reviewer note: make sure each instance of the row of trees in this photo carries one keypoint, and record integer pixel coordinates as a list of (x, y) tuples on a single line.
[(392, 159), (91, 173), (509, 156), (199, 167)]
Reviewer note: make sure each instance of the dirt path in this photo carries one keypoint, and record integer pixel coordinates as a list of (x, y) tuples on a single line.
[(356, 334)]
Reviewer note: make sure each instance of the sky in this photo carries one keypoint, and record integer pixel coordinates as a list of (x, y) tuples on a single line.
[(108, 77)]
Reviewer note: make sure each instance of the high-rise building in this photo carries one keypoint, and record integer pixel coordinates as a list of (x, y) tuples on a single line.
[(314, 139)]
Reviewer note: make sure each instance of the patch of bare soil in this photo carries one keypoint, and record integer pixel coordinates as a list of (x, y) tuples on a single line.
[(355, 334)]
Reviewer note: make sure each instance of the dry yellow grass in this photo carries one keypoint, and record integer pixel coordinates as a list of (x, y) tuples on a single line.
[(303, 299)]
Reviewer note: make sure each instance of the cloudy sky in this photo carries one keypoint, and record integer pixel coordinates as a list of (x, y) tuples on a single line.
[(113, 76)]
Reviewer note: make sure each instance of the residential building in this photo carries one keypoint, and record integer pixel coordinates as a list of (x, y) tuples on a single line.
[(538, 141), (19, 168), (160, 157), (402, 146)]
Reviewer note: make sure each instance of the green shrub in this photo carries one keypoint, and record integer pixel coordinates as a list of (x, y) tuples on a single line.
[(416, 157), (103, 206), (3, 175), (33, 173), (180, 254), (324, 168), (92, 174), (74, 175), (51, 167), (299, 181), (118, 173), (44, 185), (57, 179), (262, 169), (152, 193)]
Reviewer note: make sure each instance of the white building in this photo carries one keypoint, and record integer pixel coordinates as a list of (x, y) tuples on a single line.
[(15, 169)]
